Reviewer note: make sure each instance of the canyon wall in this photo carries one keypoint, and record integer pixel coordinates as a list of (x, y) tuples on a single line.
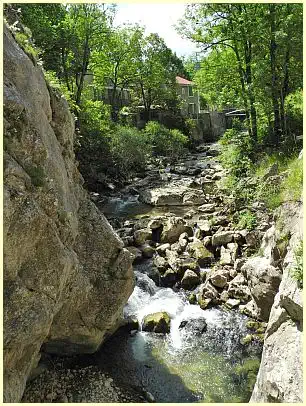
[(66, 273)]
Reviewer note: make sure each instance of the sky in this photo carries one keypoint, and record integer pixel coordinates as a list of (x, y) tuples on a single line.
[(157, 18)]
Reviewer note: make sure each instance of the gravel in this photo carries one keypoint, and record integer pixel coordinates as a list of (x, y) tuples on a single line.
[(79, 385)]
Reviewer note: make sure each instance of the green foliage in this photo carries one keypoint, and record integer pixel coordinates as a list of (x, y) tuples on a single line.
[(217, 80), (55, 83), (37, 175), (246, 219), (289, 188), (25, 43), (171, 143), (294, 105), (236, 151), (253, 60), (129, 149), (95, 119), (292, 185), (297, 270)]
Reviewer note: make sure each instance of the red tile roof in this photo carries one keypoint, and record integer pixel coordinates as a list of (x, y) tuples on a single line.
[(182, 81)]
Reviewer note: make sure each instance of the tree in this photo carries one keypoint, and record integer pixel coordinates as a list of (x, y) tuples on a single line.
[(155, 80), (67, 36), (266, 40), (115, 63), (217, 81)]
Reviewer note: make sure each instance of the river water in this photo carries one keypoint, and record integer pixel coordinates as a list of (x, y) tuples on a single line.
[(191, 363), (184, 365)]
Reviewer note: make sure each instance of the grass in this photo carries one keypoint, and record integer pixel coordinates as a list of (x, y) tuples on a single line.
[(293, 184), (245, 219), (24, 42), (286, 188), (268, 160), (296, 271)]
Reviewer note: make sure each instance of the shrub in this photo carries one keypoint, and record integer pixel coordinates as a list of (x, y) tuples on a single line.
[(55, 83), (171, 143), (297, 270), (246, 219), (236, 151), (275, 193), (293, 183), (23, 41), (129, 148), (93, 149)]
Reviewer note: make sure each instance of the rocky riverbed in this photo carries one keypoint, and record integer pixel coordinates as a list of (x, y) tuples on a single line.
[(198, 313)]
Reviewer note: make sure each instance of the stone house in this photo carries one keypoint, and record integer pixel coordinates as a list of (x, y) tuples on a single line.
[(190, 97)]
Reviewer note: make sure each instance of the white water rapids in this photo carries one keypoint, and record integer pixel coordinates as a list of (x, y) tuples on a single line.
[(147, 298)]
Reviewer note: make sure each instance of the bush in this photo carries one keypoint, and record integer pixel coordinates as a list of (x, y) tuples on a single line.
[(171, 143), (246, 219), (37, 175), (236, 151), (292, 185), (55, 83), (275, 193), (93, 149), (129, 148), (24, 42), (297, 270)]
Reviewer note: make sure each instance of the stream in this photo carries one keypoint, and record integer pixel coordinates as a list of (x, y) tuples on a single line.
[(191, 363)]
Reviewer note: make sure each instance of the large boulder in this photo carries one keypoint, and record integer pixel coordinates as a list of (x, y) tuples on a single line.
[(169, 278), (223, 238), (263, 281), (197, 250), (66, 274), (193, 198), (173, 228), (203, 228), (219, 278), (142, 235), (238, 288), (190, 280), (157, 323), (196, 326), (171, 195)]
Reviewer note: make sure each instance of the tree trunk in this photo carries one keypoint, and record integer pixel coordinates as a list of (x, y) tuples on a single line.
[(285, 92), (243, 90), (274, 91), (249, 82), (81, 75), (66, 76)]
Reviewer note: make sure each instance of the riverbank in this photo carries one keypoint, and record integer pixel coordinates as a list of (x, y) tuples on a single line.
[(211, 352)]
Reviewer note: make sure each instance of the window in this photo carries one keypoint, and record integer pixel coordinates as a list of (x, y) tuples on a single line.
[(191, 108), (190, 92)]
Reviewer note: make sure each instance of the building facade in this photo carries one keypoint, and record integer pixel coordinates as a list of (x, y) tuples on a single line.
[(189, 96)]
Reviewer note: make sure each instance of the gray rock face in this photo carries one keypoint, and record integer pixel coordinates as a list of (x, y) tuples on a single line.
[(66, 273), (190, 280), (280, 376), (263, 281), (219, 278), (173, 228), (223, 238)]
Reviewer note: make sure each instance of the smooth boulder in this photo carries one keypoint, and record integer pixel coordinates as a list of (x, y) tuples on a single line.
[(157, 323)]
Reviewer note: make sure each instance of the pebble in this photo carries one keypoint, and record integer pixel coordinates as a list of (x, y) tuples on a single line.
[(82, 385)]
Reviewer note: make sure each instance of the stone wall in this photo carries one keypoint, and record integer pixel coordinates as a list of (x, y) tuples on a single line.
[(66, 273)]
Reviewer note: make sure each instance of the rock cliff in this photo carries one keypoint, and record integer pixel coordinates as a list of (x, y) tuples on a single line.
[(66, 273), (280, 377)]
